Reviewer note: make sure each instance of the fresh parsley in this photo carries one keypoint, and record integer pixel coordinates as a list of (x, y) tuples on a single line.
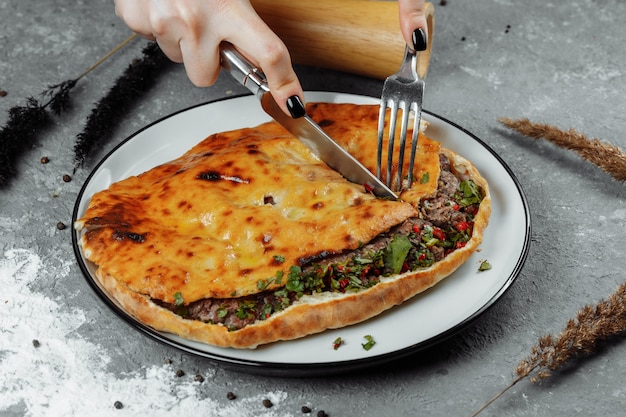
[(178, 299), (469, 193), (396, 252), (484, 266), (369, 342), (337, 343)]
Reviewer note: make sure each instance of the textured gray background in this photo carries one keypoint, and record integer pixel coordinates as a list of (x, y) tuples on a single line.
[(555, 62)]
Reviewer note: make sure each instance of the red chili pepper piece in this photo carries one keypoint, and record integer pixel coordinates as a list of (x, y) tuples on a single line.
[(462, 226), (439, 233)]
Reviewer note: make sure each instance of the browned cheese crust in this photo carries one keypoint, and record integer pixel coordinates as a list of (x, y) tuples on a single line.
[(212, 222), (352, 217)]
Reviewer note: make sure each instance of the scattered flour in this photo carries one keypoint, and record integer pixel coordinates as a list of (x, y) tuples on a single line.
[(492, 77), (66, 375)]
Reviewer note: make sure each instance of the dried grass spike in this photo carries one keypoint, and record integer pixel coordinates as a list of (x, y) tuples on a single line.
[(593, 324), (19, 134), (115, 105), (608, 157), (580, 338), (60, 100)]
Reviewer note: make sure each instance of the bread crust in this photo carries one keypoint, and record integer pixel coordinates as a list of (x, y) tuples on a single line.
[(313, 313)]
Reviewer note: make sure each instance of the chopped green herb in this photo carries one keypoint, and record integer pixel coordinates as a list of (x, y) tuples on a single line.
[(245, 309), (362, 261), (337, 343), (262, 284), (178, 299), (370, 342), (222, 312), (294, 280), (469, 193), (484, 266), (279, 258), (396, 252), (428, 237), (424, 178), (266, 311)]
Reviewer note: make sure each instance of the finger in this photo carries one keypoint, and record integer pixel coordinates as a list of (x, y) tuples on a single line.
[(412, 18), (132, 13), (281, 78), (201, 59), (263, 48)]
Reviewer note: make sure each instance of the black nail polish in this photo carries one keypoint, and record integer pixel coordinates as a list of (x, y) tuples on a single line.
[(419, 40), (295, 107)]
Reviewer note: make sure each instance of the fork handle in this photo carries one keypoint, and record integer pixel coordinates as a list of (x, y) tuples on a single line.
[(357, 36)]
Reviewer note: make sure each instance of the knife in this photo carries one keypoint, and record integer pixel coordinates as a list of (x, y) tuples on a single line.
[(303, 128)]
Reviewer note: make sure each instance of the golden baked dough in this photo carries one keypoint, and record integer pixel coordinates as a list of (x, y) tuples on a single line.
[(355, 128), (231, 216)]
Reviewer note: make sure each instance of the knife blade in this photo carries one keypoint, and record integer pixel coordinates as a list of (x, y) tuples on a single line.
[(303, 128)]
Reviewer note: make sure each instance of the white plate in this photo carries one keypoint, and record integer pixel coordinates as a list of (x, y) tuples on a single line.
[(427, 319)]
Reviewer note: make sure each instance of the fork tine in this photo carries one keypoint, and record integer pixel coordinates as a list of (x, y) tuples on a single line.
[(403, 129), (392, 134), (381, 134), (414, 138)]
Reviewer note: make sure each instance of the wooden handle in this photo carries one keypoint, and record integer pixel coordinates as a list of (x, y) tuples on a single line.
[(357, 36)]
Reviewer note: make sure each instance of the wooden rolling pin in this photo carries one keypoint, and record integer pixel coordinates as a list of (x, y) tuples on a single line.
[(357, 36)]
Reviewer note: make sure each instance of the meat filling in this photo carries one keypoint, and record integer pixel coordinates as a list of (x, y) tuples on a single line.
[(445, 223)]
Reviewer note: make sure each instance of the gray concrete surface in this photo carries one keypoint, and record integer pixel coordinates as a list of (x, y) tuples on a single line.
[(561, 63)]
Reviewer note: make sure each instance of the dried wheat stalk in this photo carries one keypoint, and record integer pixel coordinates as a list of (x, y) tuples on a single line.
[(593, 324), (27, 122), (609, 158)]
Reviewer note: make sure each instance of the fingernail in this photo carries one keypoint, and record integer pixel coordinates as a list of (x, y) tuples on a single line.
[(419, 40), (295, 107)]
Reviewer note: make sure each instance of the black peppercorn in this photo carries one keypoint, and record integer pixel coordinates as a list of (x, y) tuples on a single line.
[(36, 343), (67, 178), (199, 378), (267, 403), (305, 409), (118, 405), (230, 395), (180, 373), (61, 226), (44, 159), (3, 93), (322, 413)]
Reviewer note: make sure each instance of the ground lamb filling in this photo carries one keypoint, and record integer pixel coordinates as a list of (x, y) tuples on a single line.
[(445, 223)]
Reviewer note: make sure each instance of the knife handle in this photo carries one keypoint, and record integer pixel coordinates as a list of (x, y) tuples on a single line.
[(242, 70), (357, 36)]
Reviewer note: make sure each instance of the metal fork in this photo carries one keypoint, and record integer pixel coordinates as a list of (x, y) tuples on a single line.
[(403, 90)]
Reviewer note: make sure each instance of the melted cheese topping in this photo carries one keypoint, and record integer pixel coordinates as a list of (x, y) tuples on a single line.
[(236, 209), (355, 128)]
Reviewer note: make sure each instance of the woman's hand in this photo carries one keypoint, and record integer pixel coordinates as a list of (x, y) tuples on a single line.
[(190, 32)]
